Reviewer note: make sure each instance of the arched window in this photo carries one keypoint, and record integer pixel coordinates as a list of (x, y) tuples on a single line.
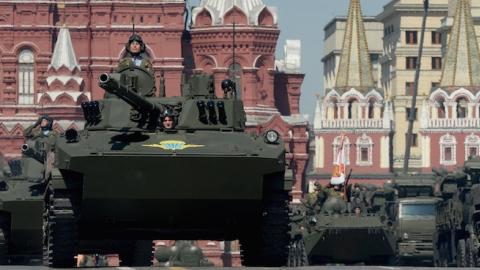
[(448, 148), (364, 150), (441, 111), (235, 73), (346, 149), (371, 109), (26, 77), (462, 105), (472, 146), (353, 109)]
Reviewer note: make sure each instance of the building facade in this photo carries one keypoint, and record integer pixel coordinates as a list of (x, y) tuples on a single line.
[(52, 53), (446, 117)]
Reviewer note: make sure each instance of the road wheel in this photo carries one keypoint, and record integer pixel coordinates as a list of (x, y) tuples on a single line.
[(461, 253), (297, 255), (136, 253), (60, 234), (268, 246)]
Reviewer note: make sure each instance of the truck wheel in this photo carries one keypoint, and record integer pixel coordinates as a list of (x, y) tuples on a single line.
[(60, 235), (461, 253), (136, 253), (269, 245), (471, 253)]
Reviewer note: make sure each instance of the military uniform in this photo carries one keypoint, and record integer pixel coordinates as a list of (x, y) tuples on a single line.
[(131, 62)]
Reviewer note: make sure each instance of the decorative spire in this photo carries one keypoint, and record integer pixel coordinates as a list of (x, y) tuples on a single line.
[(462, 62), (63, 54), (355, 67)]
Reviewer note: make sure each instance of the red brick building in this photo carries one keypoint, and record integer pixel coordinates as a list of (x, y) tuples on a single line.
[(52, 53)]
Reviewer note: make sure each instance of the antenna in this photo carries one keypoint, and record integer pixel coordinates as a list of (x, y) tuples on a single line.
[(411, 116)]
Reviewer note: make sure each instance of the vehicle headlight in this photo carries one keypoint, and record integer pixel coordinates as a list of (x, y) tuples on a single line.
[(272, 136)]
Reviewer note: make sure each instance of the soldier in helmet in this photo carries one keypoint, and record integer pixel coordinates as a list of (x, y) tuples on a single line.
[(168, 119), (136, 55), (42, 129)]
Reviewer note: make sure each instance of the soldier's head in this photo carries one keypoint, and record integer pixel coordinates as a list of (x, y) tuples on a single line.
[(46, 123), (135, 45), (168, 119)]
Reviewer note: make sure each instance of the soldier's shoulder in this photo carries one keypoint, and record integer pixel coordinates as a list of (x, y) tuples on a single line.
[(125, 62)]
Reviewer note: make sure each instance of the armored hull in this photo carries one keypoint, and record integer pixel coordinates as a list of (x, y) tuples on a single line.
[(348, 238), (143, 184)]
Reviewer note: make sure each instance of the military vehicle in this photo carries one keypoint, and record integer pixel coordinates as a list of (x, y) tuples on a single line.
[(183, 254), (416, 209), (21, 207), (458, 220), (125, 180), (338, 232)]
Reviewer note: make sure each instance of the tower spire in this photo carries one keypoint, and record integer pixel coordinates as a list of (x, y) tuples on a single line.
[(63, 53), (462, 62), (355, 67)]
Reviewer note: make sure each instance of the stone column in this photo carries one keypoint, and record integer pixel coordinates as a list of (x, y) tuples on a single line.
[(471, 110), (377, 110)]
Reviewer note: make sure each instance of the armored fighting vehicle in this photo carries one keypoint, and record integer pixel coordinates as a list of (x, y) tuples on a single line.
[(126, 179), (340, 232), (21, 207), (416, 211), (458, 221)]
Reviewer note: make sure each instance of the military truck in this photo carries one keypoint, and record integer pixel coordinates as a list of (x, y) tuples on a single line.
[(21, 207), (416, 209), (336, 232), (125, 179), (458, 220)]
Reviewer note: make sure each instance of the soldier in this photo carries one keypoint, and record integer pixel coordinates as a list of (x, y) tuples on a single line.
[(136, 55), (43, 128), (335, 202)]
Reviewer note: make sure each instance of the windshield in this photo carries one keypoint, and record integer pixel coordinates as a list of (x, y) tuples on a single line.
[(418, 209)]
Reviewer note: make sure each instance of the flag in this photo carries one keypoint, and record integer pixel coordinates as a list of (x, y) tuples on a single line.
[(338, 174)]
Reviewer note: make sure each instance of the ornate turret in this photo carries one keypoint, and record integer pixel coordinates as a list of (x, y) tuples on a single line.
[(355, 69), (251, 11), (462, 61)]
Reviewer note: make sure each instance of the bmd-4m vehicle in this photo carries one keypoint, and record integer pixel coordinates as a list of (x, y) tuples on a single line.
[(126, 179)]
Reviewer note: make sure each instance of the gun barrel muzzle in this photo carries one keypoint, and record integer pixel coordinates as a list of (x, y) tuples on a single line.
[(25, 147), (104, 77)]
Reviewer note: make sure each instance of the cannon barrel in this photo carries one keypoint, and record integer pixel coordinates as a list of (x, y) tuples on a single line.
[(29, 151), (111, 83)]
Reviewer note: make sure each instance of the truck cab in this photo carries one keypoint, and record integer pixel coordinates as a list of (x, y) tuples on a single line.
[(416, 229)]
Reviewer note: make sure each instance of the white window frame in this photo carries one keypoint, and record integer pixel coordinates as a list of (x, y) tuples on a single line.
[(472, 141), (446, 141), (26, 77), (364, 141)]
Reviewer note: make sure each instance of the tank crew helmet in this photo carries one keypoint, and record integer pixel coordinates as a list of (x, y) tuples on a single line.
[(170, 114), (137, 38), (49, 126)]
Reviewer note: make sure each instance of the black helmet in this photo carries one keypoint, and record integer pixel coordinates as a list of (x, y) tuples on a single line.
[(137, 38)]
